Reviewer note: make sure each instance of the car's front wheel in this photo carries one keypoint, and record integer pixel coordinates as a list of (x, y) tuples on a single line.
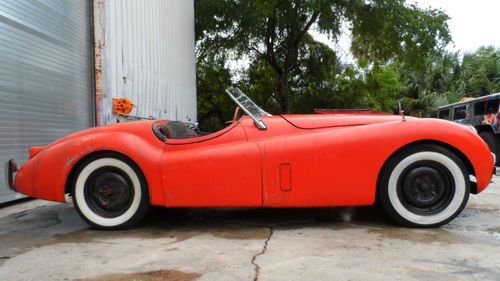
[(424, 186), (110, 191)]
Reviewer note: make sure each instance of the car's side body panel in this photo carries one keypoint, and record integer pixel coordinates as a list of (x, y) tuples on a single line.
[(314, 167), (300, 161), (218, 172), (340, 165)]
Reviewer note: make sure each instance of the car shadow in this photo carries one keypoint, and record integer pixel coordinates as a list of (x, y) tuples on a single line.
[(60, 223), (283, 218), (235, 223)]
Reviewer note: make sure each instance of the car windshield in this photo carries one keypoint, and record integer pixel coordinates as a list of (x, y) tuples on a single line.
[(246, 104)]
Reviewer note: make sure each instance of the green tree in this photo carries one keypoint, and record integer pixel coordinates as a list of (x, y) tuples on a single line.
[(213, 77), (321, 81), (312, 81), (447, 77), (276, 31), (437, 83), (481, 71)]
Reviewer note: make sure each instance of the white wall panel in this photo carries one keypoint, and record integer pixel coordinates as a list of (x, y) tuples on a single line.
[(148, 57)]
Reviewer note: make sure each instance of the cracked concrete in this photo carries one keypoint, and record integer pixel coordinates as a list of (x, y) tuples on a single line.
[(264, 249), (48, 241)]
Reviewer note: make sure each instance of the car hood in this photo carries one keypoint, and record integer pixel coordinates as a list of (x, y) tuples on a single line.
[(314, 121)]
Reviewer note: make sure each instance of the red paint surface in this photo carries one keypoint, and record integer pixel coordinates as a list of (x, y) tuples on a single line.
[(285, 177), (350, 111), (300, 160)]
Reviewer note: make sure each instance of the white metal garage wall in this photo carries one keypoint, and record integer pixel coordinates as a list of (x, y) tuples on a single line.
[(45, 75), (148, 56)]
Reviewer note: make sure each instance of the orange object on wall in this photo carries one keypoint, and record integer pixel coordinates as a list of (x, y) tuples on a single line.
[(122, 106)]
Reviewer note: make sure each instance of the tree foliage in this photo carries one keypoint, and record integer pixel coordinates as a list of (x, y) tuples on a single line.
[(212, 80), (447, 77), (398, 50), (388, 31), (275, 32), (481, 71)]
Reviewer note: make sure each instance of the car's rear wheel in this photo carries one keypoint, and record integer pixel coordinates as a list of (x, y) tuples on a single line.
[(424, 186), (493, 143), (110, 191)]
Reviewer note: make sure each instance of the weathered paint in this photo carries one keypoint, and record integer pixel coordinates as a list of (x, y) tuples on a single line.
[(240, 165), (144, 51)]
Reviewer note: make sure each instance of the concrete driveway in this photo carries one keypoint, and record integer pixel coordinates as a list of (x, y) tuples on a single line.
[(48, 241)]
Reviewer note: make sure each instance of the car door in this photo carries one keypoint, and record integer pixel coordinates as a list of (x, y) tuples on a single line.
[(320, 167), (219, 170), (291, 172)]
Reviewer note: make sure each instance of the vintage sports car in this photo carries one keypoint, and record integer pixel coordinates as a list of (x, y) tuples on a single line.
[(420, 170)]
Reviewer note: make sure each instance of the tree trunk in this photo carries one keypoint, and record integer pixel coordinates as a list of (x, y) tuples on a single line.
[(283, 92)]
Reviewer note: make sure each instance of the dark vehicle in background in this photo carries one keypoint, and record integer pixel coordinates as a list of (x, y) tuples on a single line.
[(482, 113)]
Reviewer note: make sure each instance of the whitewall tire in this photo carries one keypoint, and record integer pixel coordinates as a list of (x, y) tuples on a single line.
[(110, 192), (424, 186)]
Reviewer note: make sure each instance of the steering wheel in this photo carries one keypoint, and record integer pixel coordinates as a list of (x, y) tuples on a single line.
[(237, 113), (236, 116)]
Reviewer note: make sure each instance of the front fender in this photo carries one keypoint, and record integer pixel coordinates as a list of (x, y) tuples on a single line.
[(457, 136)]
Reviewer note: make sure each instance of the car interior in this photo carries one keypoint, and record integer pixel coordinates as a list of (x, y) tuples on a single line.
[(180, 130), (177, 130)]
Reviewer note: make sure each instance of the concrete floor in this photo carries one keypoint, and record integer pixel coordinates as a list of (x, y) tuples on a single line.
[(47, 241)]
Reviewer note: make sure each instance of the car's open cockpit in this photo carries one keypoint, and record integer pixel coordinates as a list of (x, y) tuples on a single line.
[(176, 130)]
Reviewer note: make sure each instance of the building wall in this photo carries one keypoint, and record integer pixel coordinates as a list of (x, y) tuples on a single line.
[(145, 52), (46, 79)]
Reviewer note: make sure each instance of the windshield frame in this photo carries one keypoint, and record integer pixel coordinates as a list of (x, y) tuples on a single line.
[(248, 106)]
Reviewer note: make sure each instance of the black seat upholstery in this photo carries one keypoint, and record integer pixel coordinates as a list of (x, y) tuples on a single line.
[(177, 130)]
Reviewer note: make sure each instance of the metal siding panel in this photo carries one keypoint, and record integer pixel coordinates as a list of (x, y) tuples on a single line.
[(148, 56), (45, 75)]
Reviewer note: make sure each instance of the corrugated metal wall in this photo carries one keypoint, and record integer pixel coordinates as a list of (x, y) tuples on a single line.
[(45, 75), (148, 56)]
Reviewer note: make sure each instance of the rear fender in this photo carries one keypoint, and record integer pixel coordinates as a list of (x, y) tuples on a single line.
[(51, 168)]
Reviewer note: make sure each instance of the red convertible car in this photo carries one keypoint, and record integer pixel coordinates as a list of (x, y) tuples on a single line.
[(420, 170)]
